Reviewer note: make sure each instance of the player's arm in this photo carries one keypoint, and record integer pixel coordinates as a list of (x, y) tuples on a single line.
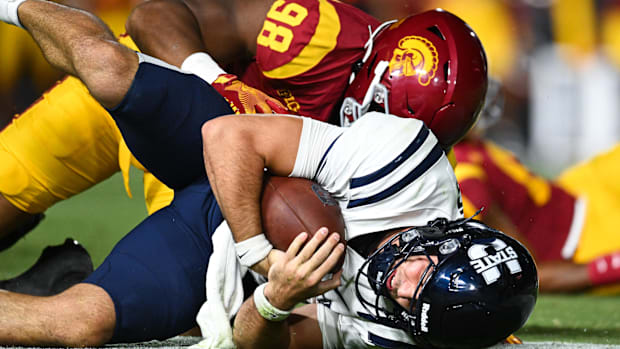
[(173, 29), (166, 29), (194, 35), (567, 276), (266, 320), (237, 149)]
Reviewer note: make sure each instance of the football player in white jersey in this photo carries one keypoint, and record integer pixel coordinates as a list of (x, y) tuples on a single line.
[(399, 286), (453, 283)]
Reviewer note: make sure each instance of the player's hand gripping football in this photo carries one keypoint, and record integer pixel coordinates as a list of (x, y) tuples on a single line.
[(298, 275), (244, 99)]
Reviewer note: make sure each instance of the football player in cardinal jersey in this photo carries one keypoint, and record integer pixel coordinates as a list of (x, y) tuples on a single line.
[(421, 282), (567, 223)]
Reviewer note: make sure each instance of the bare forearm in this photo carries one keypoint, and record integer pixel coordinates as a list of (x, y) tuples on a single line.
[(235, 172), (165, 29), (172, 30), (252, 331), (237, 149), (563, 276)]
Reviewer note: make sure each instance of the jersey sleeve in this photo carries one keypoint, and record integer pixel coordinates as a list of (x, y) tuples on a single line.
[(316, 139)]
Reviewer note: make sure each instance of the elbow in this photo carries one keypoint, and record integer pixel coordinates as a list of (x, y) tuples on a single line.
[(212, 131), (216, 137)]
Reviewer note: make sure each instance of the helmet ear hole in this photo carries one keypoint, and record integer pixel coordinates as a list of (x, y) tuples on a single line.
[(446, 70), (435, 30)]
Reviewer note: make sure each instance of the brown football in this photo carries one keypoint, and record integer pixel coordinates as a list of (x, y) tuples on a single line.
[(293, 205)]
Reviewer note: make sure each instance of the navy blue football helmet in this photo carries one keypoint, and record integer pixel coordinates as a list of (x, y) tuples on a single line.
[(482, 288)]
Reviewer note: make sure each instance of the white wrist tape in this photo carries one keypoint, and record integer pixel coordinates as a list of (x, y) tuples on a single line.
[(266, 309), (8, 12), (253, 250), (202, 65)]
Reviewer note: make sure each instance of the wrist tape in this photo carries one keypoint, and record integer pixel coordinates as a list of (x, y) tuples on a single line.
[(605, 269), (202, 65), (266, 309), (253, 250), (8, 12)]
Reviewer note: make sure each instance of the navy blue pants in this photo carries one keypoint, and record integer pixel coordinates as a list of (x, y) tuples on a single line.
[(156, 274)]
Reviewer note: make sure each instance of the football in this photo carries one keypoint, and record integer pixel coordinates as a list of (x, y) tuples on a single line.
[(290, 206)]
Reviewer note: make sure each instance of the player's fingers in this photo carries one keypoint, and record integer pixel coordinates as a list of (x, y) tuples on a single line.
[(277, 107), (330, 263), (294, 247), (322, 254), (311, 246)]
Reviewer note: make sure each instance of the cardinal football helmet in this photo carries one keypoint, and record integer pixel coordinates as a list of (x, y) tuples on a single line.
[(482, 288), (430, 66)]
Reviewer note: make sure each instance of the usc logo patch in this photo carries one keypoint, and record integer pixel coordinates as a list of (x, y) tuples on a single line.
[(415, 55)]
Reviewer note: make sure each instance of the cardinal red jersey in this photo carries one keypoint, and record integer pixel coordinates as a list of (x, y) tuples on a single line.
[(305, 54), (542, 211)]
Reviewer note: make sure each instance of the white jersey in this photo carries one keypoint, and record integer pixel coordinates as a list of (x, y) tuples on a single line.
[(385, 172)]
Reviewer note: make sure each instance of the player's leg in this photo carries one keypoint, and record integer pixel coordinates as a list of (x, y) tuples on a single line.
[(156, 274), (151, 286), (14, 223), (161, 117), (81, 316), (63, 144), (79, 44)]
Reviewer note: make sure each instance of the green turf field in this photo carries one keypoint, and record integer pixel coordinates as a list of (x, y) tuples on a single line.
[(97, 218), (102, 215)]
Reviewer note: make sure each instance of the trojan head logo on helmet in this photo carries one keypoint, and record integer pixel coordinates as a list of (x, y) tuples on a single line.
[(479, 287), (414, 56), (430, 66)]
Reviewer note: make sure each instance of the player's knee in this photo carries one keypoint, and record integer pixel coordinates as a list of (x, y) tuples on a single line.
[(107, 68), (80, 335), (84, 316)]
